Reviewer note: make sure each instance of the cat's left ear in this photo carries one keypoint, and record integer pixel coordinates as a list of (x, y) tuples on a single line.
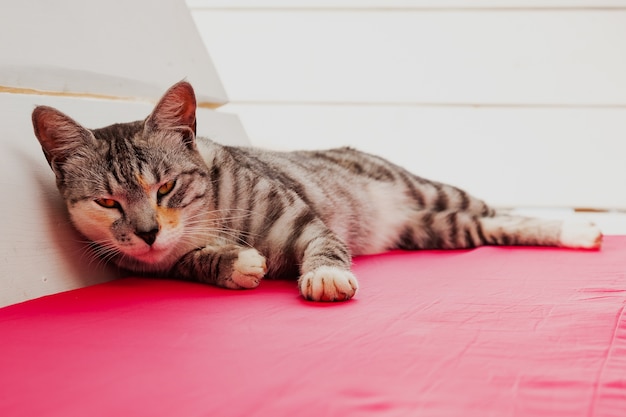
[(59, 135), (176, 111)]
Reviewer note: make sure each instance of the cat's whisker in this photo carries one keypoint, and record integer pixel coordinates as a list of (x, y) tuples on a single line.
[(213, 225), (230, 236), (211, 218), (203, 228), (97, 259), (106, 253), (235, 236), (88, 257), (208, 236), (217, 214)]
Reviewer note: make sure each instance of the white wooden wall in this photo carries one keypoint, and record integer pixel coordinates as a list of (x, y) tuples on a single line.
[(128, 49), (100, 63), (522, 102)]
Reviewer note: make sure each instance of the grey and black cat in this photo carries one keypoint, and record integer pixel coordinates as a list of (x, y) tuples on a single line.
[(154, 198)]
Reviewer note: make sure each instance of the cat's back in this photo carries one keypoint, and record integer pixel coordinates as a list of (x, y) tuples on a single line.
[(331, 180), (341, 166)]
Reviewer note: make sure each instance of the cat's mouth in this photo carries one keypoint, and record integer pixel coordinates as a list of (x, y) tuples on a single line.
[(151, 254), (160, 254)]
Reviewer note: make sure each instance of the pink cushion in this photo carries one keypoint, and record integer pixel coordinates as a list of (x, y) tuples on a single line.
[(485, 332)]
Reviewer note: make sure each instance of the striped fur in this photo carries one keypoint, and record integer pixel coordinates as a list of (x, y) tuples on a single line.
[(155, 199)]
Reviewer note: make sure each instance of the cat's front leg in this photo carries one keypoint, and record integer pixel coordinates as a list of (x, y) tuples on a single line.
[(225, 266), (326, 274), (328, 283)]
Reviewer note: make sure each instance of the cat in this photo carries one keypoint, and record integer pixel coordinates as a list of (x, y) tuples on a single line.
[(155, 199)]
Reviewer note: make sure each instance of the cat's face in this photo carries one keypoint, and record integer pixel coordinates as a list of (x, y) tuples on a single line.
[(137, 190)]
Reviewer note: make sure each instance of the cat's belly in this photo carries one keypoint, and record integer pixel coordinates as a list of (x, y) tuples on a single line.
[(386, 220)]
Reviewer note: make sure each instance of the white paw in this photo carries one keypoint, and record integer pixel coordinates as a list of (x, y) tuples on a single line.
[(249, 268), (576, 234), (328, 283)]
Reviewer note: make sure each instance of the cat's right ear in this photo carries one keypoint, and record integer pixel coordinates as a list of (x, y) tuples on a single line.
[(58, 134), (176, 110)]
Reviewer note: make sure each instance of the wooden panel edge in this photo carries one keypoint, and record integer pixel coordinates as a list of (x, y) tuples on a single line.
[(31, 91)]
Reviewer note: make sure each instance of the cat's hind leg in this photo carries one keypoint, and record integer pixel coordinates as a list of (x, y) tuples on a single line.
[(451, 229), (529, 231)]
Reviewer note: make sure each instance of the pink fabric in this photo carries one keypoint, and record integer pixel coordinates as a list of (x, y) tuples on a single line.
[(485, 332)]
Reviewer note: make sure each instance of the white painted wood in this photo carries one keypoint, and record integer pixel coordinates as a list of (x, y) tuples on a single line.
[(554, 157), (39, 251), (403, 4), (521, 102), (115, 48), (515, 57)]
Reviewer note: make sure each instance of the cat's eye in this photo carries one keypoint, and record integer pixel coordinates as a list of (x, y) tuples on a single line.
[(107, 203), (166, 188)]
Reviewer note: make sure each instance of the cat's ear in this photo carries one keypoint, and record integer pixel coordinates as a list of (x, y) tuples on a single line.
[(59, 135), (176, 111)]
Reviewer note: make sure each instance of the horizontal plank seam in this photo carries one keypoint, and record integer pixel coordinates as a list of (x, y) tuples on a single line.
[(315, 103), (30, 91), (405, 9), (574, 209)]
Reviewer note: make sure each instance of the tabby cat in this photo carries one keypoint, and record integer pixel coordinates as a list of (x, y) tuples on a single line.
[(156, 199)]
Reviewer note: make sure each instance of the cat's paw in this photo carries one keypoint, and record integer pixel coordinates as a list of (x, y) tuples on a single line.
[(328, 283), (249, 269), (577, 234)]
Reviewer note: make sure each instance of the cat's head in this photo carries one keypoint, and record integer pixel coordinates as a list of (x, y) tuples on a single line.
[(134, 189)]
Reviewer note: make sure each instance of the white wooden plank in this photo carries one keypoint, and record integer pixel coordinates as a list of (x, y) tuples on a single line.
[(508, 156), (488, 57), (403, 4), (40, 252), (112, 48)]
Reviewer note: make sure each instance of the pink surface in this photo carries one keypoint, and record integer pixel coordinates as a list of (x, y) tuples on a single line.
[(487, 332)]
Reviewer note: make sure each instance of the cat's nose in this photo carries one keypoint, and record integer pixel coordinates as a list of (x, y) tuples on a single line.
[(149, 237)]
